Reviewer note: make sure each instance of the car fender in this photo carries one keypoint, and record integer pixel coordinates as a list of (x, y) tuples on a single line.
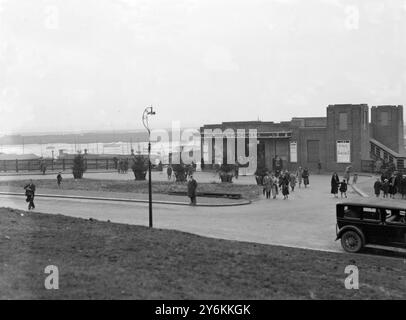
[(353, 228)]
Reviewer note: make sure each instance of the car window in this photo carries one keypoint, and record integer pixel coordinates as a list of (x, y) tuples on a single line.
[(396, 217), (352, 212), (372, 213)]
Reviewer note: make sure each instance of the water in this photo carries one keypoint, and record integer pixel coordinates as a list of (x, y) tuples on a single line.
[(46, 150), (116, 148)]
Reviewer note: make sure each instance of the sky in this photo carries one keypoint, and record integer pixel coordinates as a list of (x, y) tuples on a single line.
[(69, 65)]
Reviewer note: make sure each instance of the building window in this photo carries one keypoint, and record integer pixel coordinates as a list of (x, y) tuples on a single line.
[(384, 117), (293, 152), (343, 121)]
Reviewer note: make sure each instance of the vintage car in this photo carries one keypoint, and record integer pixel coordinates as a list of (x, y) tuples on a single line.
[(371, 224)]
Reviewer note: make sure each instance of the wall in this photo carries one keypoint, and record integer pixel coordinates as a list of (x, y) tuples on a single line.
[(357, 133), (301, 136), (390, 134)]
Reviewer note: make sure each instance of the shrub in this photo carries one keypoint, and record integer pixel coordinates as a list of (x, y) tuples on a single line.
[(180, 172), (227, 172), (79, 166), (140, 167)]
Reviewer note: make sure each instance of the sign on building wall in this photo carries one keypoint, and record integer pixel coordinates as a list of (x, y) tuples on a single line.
[(343, 151), (293, 152)]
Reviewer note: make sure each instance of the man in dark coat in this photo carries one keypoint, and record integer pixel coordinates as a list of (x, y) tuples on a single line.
[(305, 176), (191, 190), (335, 182), (169, 172), (59, 179), (30, 194)]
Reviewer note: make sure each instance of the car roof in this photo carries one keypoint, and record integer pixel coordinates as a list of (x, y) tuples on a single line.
[(383, 204)]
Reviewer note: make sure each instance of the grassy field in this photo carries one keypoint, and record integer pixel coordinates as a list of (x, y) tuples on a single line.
[(112, 261), (248, 191)]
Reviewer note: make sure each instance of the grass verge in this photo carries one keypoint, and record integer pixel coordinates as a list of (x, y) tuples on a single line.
[(247, 191), (101, 260)]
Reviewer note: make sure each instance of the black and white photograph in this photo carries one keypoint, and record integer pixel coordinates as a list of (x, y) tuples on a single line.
[(202, 156)]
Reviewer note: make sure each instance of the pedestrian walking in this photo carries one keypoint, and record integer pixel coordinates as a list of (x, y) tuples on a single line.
[(191, 190), (403, 186), (392, 187), (59, 180), (292, 182), (299, 175), (319, 167), (335, 182), (267, 182), (305, 176), (285, 190), (284, 185), (274, 187), (347, 173), (169, 172), (343, 188), (43, 167), (377, 187), (30, 194), (385, 188)]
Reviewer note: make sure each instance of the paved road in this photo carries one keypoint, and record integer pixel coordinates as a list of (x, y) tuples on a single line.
[(306, 220)]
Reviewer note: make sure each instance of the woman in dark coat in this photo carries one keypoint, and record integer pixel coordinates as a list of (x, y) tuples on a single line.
[(335, 182), (377, 187), (403, 187), (284, 184), (392, 187), (343, 188)]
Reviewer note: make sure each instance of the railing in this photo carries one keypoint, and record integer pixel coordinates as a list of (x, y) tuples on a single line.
[(56, 164), (31, 165), (378, 151)]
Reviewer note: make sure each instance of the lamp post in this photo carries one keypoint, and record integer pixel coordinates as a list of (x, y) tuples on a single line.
[(147, 112)]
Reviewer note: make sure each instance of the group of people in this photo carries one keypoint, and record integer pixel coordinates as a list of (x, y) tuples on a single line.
[(189, 170), (284, 181), (390, 184), (122, 165), (337, 185)]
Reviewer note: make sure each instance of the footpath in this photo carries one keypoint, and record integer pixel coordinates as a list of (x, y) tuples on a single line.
[(157, 198)]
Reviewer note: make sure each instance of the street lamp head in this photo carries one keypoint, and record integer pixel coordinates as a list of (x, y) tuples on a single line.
[(151, 111), (147, 112)]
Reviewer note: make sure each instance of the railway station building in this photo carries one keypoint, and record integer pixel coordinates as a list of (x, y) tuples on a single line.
[(348, 135)]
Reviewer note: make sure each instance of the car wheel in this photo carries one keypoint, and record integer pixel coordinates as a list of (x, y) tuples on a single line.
[(351, 241)]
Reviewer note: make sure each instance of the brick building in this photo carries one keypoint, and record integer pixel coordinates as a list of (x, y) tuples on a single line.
[(345, 137)]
